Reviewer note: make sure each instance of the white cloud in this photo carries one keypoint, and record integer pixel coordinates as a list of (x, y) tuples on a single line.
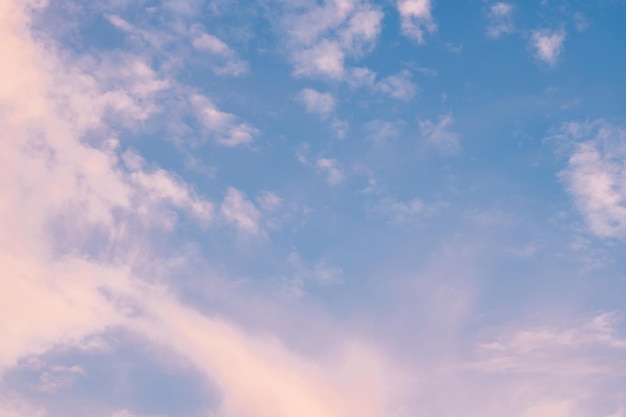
[(548, 45), (325, 58), (334, 175), (416, 18), (576, 352), (320, 38), (500, 18), (439, 134), (596, 173), (242, 213), (361, 77), (223, 59), (340, 127), (403, 213), (316, 102), (211, 43), (321, 273), (302, 153), (381, 131), (224, 127), (269, 201), (412, 212), (257, 375), (398, 86), (580, 22), (162, 186)]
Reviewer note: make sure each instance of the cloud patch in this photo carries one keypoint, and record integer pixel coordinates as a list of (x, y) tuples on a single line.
[(500, 19), (416, 19), (330, 167), (223, 59), (595, 175), (321, 37), (316, 102), (224, 128), (440, 135), (547, 45)]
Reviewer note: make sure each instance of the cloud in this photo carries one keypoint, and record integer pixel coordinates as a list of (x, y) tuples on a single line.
[(595, 173), (64, 297), (325, 58), (257, 375), (321, 37), (301, 275), (59, 377), (13, 406), (224, 60), (398, 86), (547, 44), (236, 209), (403, 213), (382, 132), (416, 18), (557, 352), (269, 201), (500, 19), (439, 134), (334, 175), (161, 186), (126, 413), (223, 127), (580, 22), (316, 102), (412, 212)]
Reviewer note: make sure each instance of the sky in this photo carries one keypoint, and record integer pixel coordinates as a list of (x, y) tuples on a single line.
[(312, 208)]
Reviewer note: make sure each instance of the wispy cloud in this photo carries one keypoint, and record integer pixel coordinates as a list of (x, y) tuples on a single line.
[(416, 18), (383, 132), (224, 127), (547, 45), (581, 22), (398, 86), (316, 102), (440, 135), (330, 167), (224, 60), (595, 171), (500, 19), (320, 38), (239, 211)]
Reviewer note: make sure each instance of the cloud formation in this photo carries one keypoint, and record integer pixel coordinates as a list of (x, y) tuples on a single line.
[(440, 135), (224, 60), (416, 18), (330, 167), (500, 19), (595, 173), (547, 45), (224, 127), (316, 102), (78, 295), (322, 37)]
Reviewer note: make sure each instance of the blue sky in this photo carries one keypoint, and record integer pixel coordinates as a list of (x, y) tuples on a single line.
[(313, 208)]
